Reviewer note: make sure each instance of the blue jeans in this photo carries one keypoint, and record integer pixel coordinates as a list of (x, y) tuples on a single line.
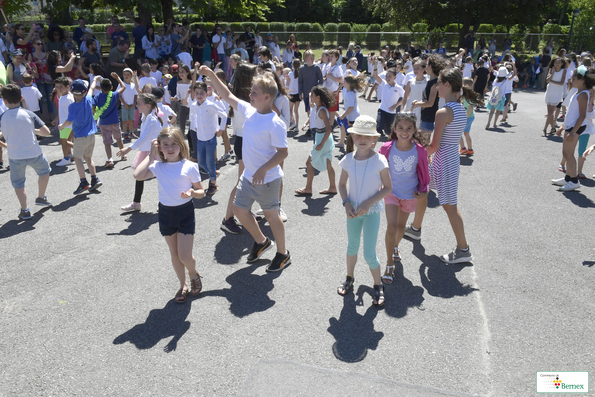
[(370, 223), (46, 92), (205, 154)]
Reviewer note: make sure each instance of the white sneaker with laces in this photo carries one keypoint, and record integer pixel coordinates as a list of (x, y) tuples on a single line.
[(282, 215), (570, 186), (64, 162), (559, 182), (260, 212), (131, 207)]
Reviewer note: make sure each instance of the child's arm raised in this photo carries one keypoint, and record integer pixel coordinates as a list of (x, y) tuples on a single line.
[(122, 86), (94, 84), (223, 91), (344, 196), (136, 84), (375, 75), (142, 171)]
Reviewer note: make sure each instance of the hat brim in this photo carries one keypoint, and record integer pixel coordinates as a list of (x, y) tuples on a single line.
[(363, 131)]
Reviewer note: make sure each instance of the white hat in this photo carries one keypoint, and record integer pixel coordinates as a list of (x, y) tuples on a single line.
[(364, 125), (502, 72), (88, 30)]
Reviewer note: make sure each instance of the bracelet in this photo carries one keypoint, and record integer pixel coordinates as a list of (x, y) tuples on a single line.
[(345, 200)]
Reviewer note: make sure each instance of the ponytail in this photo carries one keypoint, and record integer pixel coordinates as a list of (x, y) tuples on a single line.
[(471, 96)]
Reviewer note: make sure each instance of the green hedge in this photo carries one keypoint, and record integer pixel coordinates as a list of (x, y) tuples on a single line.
[(276, 27), (486, 28), (263, 26), (358, 35), (316, 38), (330, 28), (344, 37), (373, 39), (389, 38)]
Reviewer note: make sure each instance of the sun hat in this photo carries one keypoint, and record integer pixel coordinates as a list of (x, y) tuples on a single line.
[(502, 72), (88, 30), (167, 76), (79, 86), (364, 125), (16, 53)]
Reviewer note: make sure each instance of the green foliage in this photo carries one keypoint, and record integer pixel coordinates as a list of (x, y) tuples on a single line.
[(356, 36), (208, 26), (316, 38), (389, 38), (435, 37), (16, 8), (251, 24), (419, 35), (373, 39), (236, 27), (276, 27), (303, 27), (452, 28), (500, 29), (263, 26), (330, 28), (344, 37), (486, 28), (290, 27)]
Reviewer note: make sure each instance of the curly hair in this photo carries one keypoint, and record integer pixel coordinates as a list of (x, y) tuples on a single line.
[(437, 63), (326, 96)]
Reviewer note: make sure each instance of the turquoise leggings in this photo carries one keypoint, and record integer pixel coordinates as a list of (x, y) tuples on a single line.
[(583, 141), (370, 223)]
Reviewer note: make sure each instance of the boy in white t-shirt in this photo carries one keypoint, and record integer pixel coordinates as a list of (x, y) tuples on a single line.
[(62, 86), (468, 68), (332, 81), (156, 74), (19, 127), (146, 77), (128, 99), (264, 147), (392, 95), (31, 95)]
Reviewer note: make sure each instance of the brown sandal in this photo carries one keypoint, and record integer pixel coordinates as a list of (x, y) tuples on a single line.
[(196, 284), (181, 295)]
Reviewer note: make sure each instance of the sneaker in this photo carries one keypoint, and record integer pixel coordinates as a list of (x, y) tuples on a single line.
[(1, 165), (131, 207), (463, 151), (95, 183), (559, 182), (570, 186), (282, 214), (469, 152), (260, 212), (457, 256), (514, 106), (225, 157), (25, 214), (84, 185), (109, 164), (230, 226), (212, 188), (409, 232), (259, 249), (279, 262), (43, 201), (133, 135), (64, 162)]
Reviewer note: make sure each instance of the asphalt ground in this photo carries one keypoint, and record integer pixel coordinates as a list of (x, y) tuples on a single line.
[(86, 292)]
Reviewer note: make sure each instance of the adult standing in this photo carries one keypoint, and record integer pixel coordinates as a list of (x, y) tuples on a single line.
[(150, 43), (78, 36), (544, 64), (55, 68), (89, 35), (22, 41), (482, 42), (359, 56), (56, 39), (350, 51), (197, 43), (206, 52), (441, 50), (117, 34), (138, 32), (218, 41), (492, 46), (110, 29), (116, 60), (470, 42), (164, 48), (177, 39), (91, 55), (17, 68), (229, 46), (44, 82), (249, 41), (507, 44)]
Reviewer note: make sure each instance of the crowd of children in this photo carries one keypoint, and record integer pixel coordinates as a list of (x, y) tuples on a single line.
[(427, 107)]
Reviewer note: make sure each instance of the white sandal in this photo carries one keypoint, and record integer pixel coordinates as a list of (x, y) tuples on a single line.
[(389, 276), (397, 254)]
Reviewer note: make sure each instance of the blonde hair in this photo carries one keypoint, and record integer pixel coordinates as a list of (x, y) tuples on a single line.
[(267, 84), (175, 134), (308, 53)]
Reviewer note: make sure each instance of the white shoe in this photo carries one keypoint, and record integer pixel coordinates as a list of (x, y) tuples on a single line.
[(282, 215), (225, 157), (131, 207), (570, 186), (559, 182), (260, 212), (64, 162)]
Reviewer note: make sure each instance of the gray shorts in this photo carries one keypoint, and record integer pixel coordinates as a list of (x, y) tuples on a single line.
[(267, 195)]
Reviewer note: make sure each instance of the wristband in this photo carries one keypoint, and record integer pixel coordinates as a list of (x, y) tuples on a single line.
[(345, 201)]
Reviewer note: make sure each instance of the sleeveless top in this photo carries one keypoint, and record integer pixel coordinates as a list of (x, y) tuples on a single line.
[(42, 68), (429, 114), (453, 130), (17, 74), (573, 112)]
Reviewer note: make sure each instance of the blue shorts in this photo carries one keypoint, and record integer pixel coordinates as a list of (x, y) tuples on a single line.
[(178, 219), (127, 114), (427, 125), (18, 169), (468, 125)]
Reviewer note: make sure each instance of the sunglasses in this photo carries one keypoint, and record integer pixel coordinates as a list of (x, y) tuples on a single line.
[(37, 44)]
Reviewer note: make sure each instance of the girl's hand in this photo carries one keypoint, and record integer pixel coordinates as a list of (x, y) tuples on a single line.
[(362, 209), (203, 70), (196, 65), (114, 75), (187, 194), (304, 127), (569, 135), (588, 151), (419, 195), (349, 210), (414, 104), (154, 147), (319, 147)]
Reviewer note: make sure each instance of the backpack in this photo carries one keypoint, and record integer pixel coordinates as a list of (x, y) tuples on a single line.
[(496, 95)]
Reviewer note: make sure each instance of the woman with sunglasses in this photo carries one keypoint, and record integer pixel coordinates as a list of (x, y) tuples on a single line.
[(164, 48), (22, 41), (44, 81), (18, 68), (56, 39)]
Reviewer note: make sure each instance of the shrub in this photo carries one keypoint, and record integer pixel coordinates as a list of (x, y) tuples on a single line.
[(435, 37), (209, 26), (289, 28), (500, 29), (316, 38), (263, 27), (331, 30), (420, 36), (276, 27), (236, 27), (486, 28), (373, 39), (344, 37), (452, 28), (389, 38), (303, 27), (251, 24), (356, 36)]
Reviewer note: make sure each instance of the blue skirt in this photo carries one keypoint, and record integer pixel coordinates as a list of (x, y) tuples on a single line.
[(319, 157)]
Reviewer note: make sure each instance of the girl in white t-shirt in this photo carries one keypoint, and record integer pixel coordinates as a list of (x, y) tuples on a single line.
[(321, 156), (294, 95), (152, 124), (333, 79), (369, 182), (179, 182), (352, 85)]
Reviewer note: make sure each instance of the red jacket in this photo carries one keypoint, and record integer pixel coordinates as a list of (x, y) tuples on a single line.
[(423, 171)]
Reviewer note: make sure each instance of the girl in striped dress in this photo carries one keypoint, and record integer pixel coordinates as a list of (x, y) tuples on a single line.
[(444, 170)]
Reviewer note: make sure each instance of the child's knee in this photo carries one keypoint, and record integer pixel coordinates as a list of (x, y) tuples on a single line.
[(372, 261)]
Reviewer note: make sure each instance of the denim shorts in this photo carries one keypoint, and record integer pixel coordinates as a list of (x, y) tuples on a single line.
[(427, 125), (468, 125), (178, 219), (127, 114), (18, 169), (267, 195)]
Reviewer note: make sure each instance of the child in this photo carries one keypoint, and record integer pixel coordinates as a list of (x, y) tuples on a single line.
[(352, 85), (470, 98), (265, 147), (179, 182), (106, 110), (80, 116), (224, 121), (156, 74), (203, 114), (371, 80), (481, 78), (146, 77), (19, 127), (556, 78), (62, 86), (333, 79), (294, 96), (321, 156), (392, 96), (369, 183), (310, 76), (95, 70), (31, 95), (149, 130), (414, 89), (285, 78), (169, 116), (128, 99), (184, 56), (497, 99), (575, 123), (182, 88), (167, 95), (408, 167), (510, 78), (468, 67)]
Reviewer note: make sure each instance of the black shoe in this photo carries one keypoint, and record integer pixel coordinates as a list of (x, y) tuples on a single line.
[(212, 188), (24, 215), (259, 249), (95, 183), (279, 262), (309, 132), (84, 185)]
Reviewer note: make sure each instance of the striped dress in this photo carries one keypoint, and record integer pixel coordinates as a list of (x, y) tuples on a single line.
[(444, 169)]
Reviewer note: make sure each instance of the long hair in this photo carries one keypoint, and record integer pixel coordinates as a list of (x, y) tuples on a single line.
[(151, 37), (150, 100), (409, 116), (358, 83), (295, 65), (326, 96), (469, 95), (453, 77), (242, 83), (175, 134)]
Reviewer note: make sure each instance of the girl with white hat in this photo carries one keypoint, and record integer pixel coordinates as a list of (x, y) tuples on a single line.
[(497, 98), (369, 183)]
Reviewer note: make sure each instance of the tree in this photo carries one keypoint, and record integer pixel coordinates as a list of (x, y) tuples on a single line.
[(14, 8)]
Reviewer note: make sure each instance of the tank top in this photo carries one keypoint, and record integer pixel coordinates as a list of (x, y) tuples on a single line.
[(429, 114), (573, 112), (315, 121), (42, 68)]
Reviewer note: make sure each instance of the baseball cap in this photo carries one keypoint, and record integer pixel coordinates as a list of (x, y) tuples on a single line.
[(88, 30), (167, 76), (79, 86), (174, 68)]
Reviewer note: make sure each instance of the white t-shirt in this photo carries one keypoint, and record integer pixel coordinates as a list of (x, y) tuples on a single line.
[(167, 113), (282, 104), (468, 70), (262, 133), (364, 178), (18, 126), (146, 80), (158, 76), (350, 100), (508, 84), (293, 84), (149, 130), (97, 89), (329, 83), (390, 96), (408, 67), (218, 42), (204, 118), (129, 93), (31, 95), (402, 79), (185, 58), (182, 91), (3, 107), (63, 104), (173, 179)]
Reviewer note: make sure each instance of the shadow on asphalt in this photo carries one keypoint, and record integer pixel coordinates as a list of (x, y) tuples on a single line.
[(71, 202), (466, 160), (354, 333), (160, 324), (231, 248), (589, 263), (56, 170), (17, 226), (316, 206), (439, 278), (433, 201), (579, 199), (247, 292), (401, 294), (137, 222)]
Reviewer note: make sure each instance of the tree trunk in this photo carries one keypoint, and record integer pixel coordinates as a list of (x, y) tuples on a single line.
[(167, 7), (563, 12), (143, 13)]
